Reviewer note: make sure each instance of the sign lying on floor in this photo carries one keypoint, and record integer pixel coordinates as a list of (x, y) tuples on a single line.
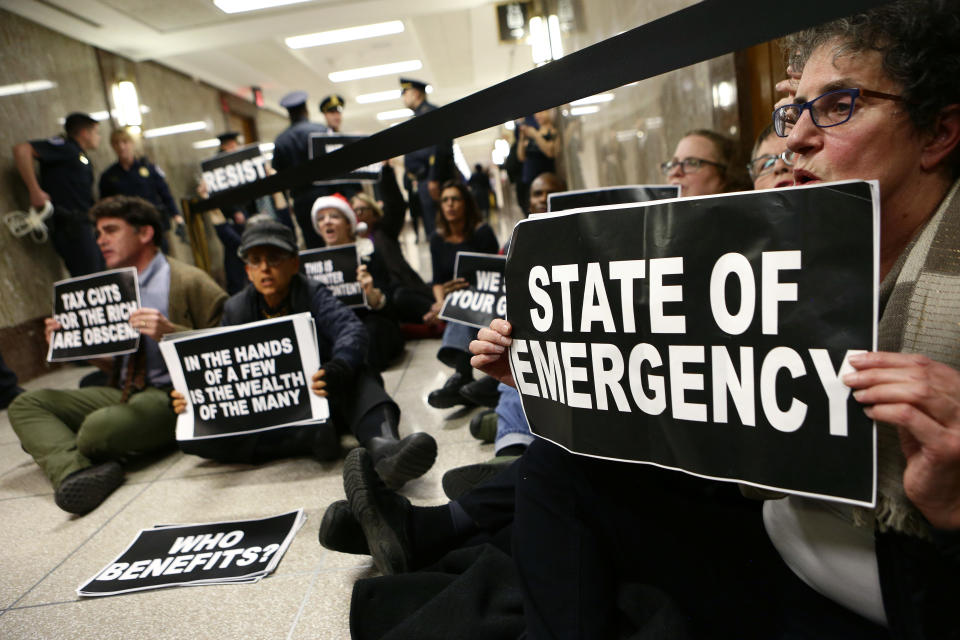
[(484, 298), (245, 378), (336, 268), (705, 334), (198, 554), (94, 315), (565, 200)]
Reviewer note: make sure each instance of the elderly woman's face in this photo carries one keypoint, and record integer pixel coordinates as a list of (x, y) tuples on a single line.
[(333, 227), (364, 212), (703, 181)]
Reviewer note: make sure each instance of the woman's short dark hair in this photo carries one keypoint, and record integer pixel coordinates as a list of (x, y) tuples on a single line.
[(919, 41), (136, 212), (471, 219), (728, 154)]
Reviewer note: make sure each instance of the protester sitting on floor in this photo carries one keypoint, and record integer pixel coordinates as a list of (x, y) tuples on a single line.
[(336, 223), (409, 294), (459, 228), (705, 162), (358, 401), (79, 437), (869, 105)]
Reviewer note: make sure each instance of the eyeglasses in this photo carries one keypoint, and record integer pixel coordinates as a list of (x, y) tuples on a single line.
[(271, 259), (827, 110), (762, 165), (688, 165)]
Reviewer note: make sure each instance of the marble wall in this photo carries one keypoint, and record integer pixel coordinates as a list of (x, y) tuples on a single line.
[(83, 76)]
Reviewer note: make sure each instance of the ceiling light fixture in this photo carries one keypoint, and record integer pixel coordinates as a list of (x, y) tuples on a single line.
[(209, 143), (377, 70), (26, 87), (176, 128), (395, 114), (345, 35), (583, 111), (127, 103), (596, 99), (383, 96), (240, 6)]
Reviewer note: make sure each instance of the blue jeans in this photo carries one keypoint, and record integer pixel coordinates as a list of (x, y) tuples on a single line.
[(512, 427), (455, 347)]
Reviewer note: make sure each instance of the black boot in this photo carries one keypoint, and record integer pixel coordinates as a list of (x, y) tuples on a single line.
[(449, 394), (482, 392), (397, 461), (383, 515), (340, 531), (83, 491)]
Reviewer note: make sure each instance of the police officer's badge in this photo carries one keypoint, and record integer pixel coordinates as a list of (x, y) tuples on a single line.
[(144, 172), (83, 159)]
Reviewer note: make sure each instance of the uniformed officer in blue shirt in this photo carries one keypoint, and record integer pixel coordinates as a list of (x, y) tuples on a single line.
[(291, 148), (66, 181), (133, 176), (332, 109), (428, 168)]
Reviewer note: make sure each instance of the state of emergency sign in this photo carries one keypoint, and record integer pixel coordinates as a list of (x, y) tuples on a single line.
[(704, 334)]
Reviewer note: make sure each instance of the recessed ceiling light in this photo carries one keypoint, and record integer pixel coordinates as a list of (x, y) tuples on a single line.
[(396, 114), (209, 143), (374, 71), (175, 128), (345, 35), (582, 111), (239, 6), (597, 99), (379, 96), (26, 87)]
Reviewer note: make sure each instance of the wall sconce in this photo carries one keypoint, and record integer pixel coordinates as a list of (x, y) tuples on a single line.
[(127, 104)]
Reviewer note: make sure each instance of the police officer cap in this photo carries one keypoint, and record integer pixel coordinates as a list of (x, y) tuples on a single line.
[(227, 136), (332, 103), (409, 83), (267, 233), (293, 99)]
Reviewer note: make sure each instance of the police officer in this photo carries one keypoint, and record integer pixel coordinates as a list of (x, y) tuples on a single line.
[(427, 168), (332, 109), (133, 176), (66, 181), (291, 148), (229, 141)]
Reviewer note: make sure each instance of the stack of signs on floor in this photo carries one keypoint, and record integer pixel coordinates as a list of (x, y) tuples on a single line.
[(321, 143), (336, 268), (706, 334), (484, 298), (564, 200), (94, 316), (234, 552), (245, 378)]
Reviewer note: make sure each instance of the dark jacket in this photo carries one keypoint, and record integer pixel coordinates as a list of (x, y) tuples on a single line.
[(340, 334)]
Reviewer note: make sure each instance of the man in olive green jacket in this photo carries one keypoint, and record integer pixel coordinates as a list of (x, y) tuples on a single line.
[(79, 436)]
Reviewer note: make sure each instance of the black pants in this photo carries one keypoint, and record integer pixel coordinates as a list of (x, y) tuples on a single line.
[(586, 528), (74, 239), (386, 340), (360, 411)]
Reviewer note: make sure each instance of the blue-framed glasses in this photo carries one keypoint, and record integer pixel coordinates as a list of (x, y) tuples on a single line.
[(828, 110), (762, 165)]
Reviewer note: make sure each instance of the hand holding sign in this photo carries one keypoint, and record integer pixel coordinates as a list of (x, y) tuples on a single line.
[(150, 322), (921, 398), (49, 326), (490, 351)]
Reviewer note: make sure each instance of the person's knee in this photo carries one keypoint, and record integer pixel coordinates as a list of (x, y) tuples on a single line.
[(98, 435), (27, 403)]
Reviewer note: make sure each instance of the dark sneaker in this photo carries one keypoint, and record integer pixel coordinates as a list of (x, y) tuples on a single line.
[(459, 480), (449, 394), (483, 426), (340, 531), (382, 514), (83, 491), (482, 392), (397, 461)]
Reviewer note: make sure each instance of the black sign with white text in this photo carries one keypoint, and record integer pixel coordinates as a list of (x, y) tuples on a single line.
[(321, 144), (246, 378), (704, 334), (94, 315), (564, 200), (197, 554), (230, 170), (485, 298), (336, 268)]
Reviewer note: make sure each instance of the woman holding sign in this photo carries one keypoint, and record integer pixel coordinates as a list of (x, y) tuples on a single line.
[(459, 228), (336, 222)]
